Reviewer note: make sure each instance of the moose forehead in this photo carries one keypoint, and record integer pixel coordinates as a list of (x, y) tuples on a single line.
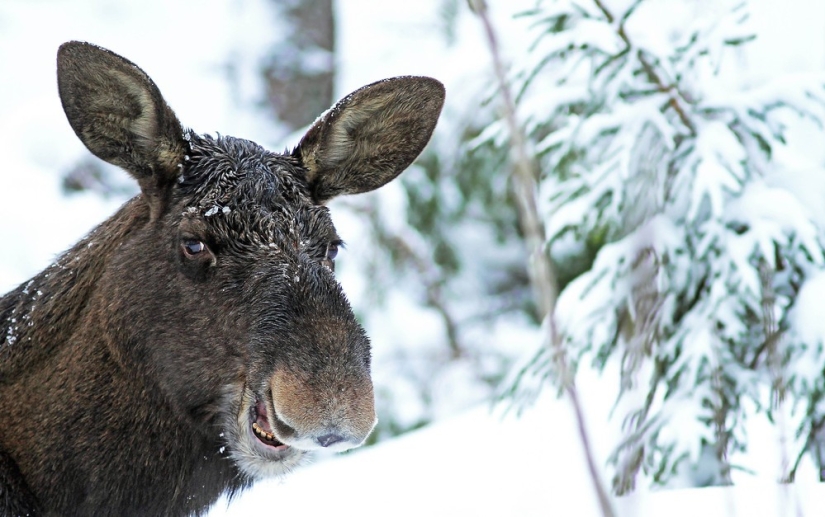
[(247, 195)]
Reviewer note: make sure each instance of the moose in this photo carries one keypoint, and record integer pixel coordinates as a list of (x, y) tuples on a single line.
[(197, 340)]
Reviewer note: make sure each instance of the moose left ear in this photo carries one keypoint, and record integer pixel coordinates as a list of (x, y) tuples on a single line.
[(370, 136)]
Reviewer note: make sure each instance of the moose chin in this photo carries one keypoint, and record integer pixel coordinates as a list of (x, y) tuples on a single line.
[(196, 340)]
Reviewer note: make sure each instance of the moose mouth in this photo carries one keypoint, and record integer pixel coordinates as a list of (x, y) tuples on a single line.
[(261, 427), (257, 451)]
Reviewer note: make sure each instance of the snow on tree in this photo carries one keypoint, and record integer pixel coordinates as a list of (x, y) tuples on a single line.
[(678, 262)]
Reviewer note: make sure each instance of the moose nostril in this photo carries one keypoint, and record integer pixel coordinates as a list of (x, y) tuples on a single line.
[(329, 439)]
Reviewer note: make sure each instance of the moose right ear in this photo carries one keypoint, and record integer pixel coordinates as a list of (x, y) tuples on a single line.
[(370, 136), (119, 114)]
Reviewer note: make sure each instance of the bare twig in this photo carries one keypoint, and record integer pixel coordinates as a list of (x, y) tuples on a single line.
[(541, 272)]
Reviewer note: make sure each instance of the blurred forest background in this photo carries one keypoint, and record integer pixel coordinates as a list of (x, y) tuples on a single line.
[(679, 171)]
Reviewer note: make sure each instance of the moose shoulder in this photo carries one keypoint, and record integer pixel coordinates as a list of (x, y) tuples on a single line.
[(197, 339)]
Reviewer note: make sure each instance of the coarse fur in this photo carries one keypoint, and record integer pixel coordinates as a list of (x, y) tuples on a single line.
[(197, 339)]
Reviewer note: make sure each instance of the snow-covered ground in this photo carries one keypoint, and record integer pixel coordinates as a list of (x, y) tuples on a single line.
[(489, 462), (477, 463)]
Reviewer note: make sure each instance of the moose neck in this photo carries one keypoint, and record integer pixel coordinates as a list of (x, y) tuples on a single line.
[(48, 308)]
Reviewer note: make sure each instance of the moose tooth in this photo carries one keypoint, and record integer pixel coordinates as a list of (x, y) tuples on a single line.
[(263, 434)]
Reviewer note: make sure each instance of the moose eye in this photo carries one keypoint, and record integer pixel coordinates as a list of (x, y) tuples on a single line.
[(196, 258), (332, 251), (192, 248)]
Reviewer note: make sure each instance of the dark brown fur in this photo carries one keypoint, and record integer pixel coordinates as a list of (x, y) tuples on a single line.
[(132, 368)]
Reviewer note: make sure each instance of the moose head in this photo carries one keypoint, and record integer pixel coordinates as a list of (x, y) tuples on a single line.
[(204, 318)]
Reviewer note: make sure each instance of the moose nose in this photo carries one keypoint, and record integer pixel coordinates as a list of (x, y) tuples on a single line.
[(329, 439)]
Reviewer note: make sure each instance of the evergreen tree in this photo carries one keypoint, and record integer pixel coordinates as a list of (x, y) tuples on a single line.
[(680, 263)]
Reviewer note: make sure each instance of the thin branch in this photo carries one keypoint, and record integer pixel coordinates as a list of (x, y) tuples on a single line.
[(542, 276)]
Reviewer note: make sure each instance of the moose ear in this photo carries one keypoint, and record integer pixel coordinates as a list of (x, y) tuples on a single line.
[(119, 114), (370, 136)]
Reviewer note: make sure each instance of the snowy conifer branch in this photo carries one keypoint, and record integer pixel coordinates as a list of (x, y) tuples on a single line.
[(542, 277), (650, 71)]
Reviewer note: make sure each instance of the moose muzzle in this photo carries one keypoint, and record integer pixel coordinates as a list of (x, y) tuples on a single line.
[(331, 409)]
